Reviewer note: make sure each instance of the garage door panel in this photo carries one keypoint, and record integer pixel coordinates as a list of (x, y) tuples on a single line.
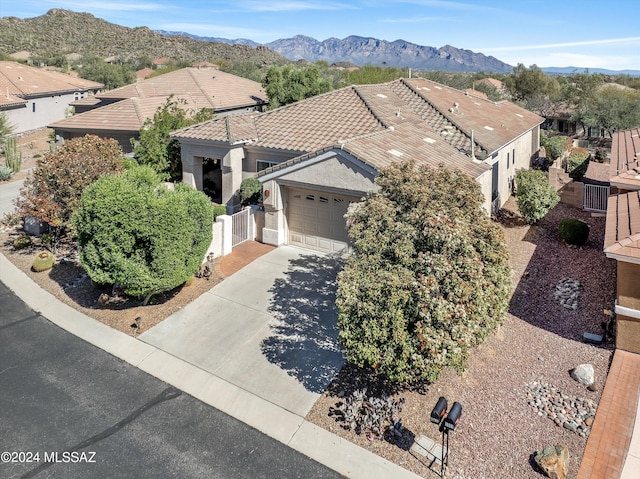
[(316, 220)]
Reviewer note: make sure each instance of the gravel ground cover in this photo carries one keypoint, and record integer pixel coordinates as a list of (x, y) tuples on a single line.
[(540, 341)]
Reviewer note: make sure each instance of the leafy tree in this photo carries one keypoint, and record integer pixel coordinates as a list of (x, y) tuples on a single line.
[(370, 74), (288, 84), (53, 191), (250, 191), (429, 276), (534, 89), (612, 108), (534, 195), (155, 146), (110, 75), (135, 231)]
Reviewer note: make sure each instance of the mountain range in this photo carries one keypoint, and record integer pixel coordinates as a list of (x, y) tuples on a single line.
[(366, 50)]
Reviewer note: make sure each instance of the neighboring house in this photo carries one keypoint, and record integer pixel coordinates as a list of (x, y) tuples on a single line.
[(317, 156), (31, 98), (492, 82), (161, 62), (622, 236), (121, 112)]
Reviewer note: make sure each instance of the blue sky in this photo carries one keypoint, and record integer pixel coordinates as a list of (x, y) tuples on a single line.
[(591, 34)]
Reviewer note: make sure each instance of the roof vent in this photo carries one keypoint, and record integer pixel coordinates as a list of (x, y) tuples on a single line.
[(395, 153), (488, 128), (429, 140)]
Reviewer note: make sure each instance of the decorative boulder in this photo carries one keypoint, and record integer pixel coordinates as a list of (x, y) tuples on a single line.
[(584, 374), (554, 461)]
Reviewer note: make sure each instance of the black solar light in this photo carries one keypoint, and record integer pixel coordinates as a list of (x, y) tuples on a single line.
[(439, 411), (453, 417)]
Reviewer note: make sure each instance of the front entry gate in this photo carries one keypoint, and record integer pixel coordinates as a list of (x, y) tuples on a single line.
[(240, 227)]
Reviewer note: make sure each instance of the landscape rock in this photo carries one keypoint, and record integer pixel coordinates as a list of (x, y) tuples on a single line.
[(584, 374), (573, 413), (554, 461), (567, 293)]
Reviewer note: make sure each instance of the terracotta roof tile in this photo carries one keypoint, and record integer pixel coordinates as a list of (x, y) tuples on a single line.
[(126, 115), (208, 87), (622, 235), (625, 159), (379, 124), (23, 81)]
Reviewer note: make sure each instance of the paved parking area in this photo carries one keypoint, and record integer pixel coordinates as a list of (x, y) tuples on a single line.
[(270, 328)]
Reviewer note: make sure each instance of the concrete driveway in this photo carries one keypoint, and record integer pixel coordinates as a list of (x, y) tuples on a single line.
[(8, 192), (270, 328)]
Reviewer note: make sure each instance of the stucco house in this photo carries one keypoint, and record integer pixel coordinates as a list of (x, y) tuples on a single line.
[(622, 235), (31, 98), (120, 113), (317, 156)]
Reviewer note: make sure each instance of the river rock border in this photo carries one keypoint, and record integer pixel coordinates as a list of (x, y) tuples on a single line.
[(571, 412)]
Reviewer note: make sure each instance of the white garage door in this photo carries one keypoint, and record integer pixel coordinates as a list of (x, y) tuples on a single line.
[(316, 220)]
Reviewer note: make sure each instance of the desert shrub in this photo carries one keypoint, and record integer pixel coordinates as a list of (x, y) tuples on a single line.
[(556, 146), (43, 261), (134, 231), (534, 195), (219, 210), (46, 239), (371, 415), (250, 191), (53, 191), (5, 173), (22, 242), (577, 163), (573, 231), (429, 277), (600, 155)]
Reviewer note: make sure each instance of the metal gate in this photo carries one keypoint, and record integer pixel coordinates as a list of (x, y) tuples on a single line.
[(594, 198), (240, 229)]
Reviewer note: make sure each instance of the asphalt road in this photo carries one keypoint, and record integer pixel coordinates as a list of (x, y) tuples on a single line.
[(9, 192), (95, 416)]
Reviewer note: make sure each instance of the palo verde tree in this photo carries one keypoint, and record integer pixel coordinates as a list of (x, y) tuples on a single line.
[(429, 276), (52, 192), (155, 147), (135, 231)]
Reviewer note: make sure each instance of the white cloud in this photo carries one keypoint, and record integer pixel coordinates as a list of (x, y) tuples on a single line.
[(627, 40)]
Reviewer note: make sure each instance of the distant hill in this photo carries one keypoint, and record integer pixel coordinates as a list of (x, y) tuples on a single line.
[(365, 51), (62, 32), (604, 71)]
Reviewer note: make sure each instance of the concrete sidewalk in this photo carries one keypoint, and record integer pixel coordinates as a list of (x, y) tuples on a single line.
[(238, 400)]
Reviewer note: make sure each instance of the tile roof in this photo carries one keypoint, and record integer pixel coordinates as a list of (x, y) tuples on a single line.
[(125, 115), (597, 173), (622, 235), (208, 87), (625, 159), (378, 124), (494, 124), (22, 81)]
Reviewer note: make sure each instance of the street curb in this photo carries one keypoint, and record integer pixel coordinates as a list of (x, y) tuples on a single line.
[(286, 427)]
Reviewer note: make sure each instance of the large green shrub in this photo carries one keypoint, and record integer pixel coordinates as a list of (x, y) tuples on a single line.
[(250, 191), (429, 276), (135, 231), (534, 195), (577, 163), (556, 146), (573, 231)]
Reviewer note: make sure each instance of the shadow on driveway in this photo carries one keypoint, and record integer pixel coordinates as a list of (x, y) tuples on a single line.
[(304, 333)]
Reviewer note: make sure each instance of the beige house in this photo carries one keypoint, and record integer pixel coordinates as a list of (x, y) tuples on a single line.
[(622, 237), (120, 113), (31, 98), (317, 156)]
